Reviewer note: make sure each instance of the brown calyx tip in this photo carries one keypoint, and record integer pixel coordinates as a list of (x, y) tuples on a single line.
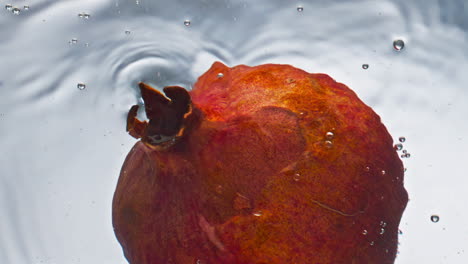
[(166, 114)]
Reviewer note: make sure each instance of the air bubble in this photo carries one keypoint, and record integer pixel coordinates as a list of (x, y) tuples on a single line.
[(383, 224), (26, 7), (81, 86), (297, 177), (398, 146), (364, 232), (187, 23), (328, 144), (137, 2), (73, 41), (435, 218), (372, 243), (406, 155), (127, 32), (300, 8), (365, 66), (398, 44), (329, 135), (16, 11), (8, 7), (220, 75), (400, 232), (402, 139), (382, 231), (383, 172), (257, 213), (405, 151)]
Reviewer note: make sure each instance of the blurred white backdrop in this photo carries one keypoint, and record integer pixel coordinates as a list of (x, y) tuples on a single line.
[(68, 75)]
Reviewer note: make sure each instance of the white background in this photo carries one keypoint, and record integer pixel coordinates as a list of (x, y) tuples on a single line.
[(62, 148)]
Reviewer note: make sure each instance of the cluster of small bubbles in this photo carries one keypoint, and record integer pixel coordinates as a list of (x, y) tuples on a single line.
[(435, 218), (84, 15), (187, 23), (300, 8), (398, 44), (398, 146), (297, 177), (220, 75), (81, 86), (365, 66), (405, 155), (8, 7), (257, 213), (73, 41), (402, 139), (127, 32), (329, 135), (364, 232)]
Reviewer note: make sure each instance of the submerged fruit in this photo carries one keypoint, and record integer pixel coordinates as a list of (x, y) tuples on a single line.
[(265, 164)]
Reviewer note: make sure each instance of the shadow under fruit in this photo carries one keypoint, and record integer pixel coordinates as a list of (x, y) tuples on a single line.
[(267, 164)]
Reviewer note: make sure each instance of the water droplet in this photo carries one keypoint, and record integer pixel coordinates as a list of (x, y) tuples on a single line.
[(297, 177), (365, 66), (16, 11), (398, 44), (364, 232), (187, 23), (127, 32), (257, 213), (219, 189), (398, 146), (329, 135), (73, 41), (81, 86), (8, 7), (26, 7), (220, 75), (382, 231), (400, 232), (435, 218)]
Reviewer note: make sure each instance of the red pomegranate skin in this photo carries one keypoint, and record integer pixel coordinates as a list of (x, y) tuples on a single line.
[(259, 165)]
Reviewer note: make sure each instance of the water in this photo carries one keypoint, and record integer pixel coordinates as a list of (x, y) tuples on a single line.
[(62, 147)]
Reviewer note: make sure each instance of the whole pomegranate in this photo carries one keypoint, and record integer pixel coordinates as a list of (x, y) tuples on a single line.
[(267, 164)]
